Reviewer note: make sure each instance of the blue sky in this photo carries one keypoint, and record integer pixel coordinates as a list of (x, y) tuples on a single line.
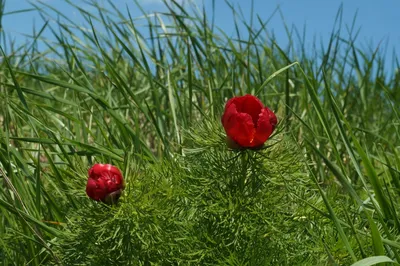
[(378, 20)]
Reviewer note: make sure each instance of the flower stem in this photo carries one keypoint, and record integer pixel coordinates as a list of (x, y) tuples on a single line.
[(242, 180)]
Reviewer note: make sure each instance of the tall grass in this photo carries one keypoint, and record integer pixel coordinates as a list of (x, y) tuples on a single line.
[(124, 90)]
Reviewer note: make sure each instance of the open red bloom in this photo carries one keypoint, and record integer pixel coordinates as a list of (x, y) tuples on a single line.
[(105, 181), (247, 121)]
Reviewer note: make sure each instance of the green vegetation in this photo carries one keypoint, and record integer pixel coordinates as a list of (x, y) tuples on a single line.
[(147, 95)]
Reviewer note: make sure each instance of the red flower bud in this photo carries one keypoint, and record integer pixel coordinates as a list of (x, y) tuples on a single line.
[(247, 121), (105, 183)]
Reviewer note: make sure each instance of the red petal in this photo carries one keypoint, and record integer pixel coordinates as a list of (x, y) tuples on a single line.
[(251, 105), (103, 179), (229, 110), (248, 104), (99, 169), (266, 125), (96, 189), (90, 188), (239, 126)]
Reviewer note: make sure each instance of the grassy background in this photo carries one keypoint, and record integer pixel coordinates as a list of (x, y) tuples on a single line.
[(149, 99)]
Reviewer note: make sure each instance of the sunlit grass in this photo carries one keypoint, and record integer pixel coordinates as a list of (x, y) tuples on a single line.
[(149, 100)]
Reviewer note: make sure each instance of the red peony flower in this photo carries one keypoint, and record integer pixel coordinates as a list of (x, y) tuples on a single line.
[(247, 121), (105, 183)]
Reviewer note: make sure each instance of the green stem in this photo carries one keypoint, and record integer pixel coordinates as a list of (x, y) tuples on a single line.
[(242, 181)]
